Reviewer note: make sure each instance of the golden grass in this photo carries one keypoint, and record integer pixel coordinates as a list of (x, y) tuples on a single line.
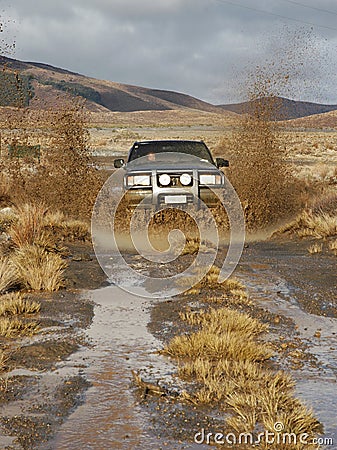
[(35, 224), (75, 229), (225, 320), (235, 297), (7, 218), (211, 281), (53, 218), (17, 327), (318, 225), (228, 363), (224, 334), (315, 248), (333, 246), (8, 274), (66, 228), (3, 358), (193, 246), (227, 345), (29, 226), (16, 303), (38, 269)]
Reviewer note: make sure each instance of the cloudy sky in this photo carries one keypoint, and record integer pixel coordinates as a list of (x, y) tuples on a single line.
[(205, 48)]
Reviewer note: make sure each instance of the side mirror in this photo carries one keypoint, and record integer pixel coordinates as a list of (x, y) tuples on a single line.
[(118, 163), (221, 162)]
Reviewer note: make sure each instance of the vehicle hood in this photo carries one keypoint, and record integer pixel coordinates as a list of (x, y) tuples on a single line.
[(170, 164)]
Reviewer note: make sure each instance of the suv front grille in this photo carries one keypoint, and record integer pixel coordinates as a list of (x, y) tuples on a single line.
[(175, 180)]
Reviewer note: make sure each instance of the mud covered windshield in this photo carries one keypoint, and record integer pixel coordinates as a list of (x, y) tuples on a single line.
[(151, 149)]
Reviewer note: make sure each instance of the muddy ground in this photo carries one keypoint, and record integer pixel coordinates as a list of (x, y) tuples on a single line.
[(34, 405), (49, 376)]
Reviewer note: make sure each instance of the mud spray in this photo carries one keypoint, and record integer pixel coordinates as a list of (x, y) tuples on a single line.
[(259, 171)]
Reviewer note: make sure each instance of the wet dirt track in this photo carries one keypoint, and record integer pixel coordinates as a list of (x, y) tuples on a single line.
[(286, 280), (112, 414), (111, 417)]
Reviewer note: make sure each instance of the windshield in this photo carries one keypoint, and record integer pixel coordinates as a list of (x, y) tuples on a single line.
[(150, 149)]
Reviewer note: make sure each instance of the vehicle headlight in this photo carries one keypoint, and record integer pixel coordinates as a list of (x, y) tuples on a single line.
[(138, 180), (208, 179), (164, 179), (185, 179)]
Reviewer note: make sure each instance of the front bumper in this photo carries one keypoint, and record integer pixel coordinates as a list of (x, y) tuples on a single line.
[(175, 197)]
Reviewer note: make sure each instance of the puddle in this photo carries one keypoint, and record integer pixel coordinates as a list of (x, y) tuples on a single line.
[(110, 418)]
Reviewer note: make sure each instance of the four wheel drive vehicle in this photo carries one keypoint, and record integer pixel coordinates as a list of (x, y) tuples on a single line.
[(171, 172)]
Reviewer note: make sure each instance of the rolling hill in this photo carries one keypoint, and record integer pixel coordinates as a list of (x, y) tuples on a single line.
[(286, 109), (48, 85)]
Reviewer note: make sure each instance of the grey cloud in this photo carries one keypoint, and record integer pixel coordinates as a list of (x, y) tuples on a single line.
[(200, 47)]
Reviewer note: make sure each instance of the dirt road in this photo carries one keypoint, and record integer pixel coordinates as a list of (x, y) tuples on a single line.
[(99, 407)]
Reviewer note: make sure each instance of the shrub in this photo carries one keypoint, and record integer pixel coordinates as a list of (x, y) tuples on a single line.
[(38, 269), (8, 275), (15, 303), (17, 327)]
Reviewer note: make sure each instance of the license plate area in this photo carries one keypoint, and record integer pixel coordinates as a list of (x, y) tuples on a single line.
[(169, 199)]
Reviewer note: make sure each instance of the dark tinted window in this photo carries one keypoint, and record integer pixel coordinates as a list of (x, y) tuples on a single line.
[(197, 149)]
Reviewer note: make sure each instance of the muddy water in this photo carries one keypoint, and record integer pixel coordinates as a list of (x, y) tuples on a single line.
[(111, 417)]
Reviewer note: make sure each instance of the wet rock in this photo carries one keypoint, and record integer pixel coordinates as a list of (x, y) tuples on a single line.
[(82, 257)]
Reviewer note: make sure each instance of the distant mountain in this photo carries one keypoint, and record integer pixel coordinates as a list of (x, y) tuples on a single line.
[(285, 109), (102, 95), (45, 85)]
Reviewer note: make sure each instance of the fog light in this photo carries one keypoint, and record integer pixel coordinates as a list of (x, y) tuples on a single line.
[(185, 179), (164, 179)]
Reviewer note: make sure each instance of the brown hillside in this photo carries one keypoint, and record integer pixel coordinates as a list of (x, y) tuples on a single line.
[(318, 121), (51, 84)]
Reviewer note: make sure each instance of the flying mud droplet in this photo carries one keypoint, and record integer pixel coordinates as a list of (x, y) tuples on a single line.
[(260, 170)]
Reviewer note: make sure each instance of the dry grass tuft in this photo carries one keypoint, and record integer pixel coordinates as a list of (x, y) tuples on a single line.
[(226, 362), (29, 226), (75, 230), (16, 303), (315, 248), (225, 334), (211, 281), (235, 297), (225, 320), (3, 359), (16, 327), (318, 225), (7, 218), (8, 274), (224, 345), (193, 246), (241, 296), (333, 246), (38, 269), (65, 228)]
